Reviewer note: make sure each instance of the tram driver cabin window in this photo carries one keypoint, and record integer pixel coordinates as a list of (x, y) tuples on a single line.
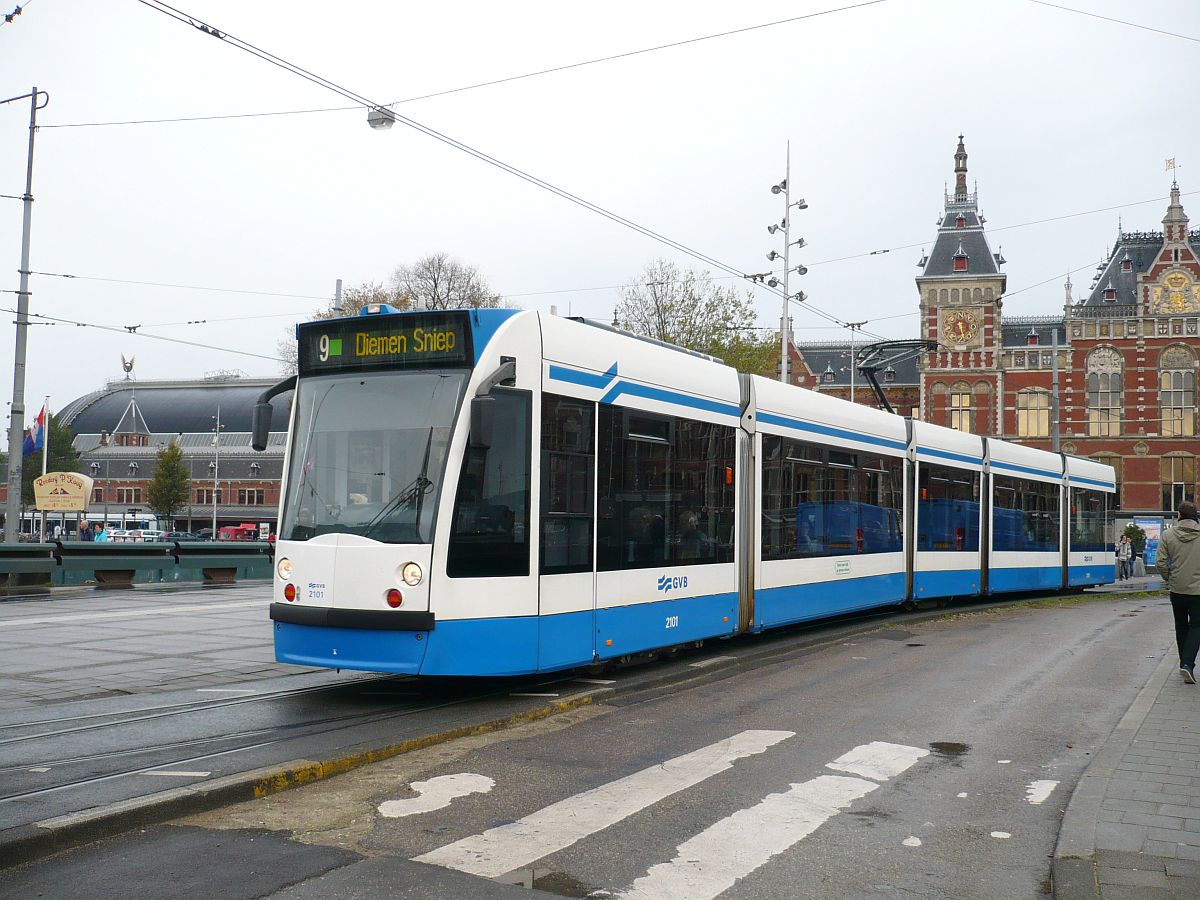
[(489, 534), (665, 491)]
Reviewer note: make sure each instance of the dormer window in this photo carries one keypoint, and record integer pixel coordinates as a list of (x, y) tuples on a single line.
[(133, 469), (1127, 265), (1032, 338), (889, 375), (828, 375), (1110, 293), (255, 468), (960, 222), (95, 467), (960, 264)]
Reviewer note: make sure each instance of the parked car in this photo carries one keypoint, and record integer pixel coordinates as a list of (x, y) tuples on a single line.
[(183, 536), (147, 535), (119, 535)]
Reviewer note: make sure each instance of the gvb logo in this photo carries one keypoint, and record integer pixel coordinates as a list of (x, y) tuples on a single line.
[(667, 583)]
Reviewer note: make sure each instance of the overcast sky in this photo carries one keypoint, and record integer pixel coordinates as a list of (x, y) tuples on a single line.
[(1062, 114)]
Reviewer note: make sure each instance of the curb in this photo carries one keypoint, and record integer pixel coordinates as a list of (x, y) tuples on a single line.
[(25, 843), (1073, 869)]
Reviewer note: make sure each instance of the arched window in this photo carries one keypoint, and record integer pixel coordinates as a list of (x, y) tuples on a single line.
[(1033, 413), (1104, 392), (961, 408), (1177, 392)]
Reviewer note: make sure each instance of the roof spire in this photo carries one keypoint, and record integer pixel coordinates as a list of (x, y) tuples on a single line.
[(960, 172)]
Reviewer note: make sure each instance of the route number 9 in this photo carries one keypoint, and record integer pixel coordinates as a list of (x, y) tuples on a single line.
[(323, 347)]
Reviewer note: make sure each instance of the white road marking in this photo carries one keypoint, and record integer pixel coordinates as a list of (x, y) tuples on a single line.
[(710, 863), (177, 774), (1037, 792), (40, 769), (963, 794), (1004, 762), (507, 847), (437, 793), (594, 680), (1001, 835), (131, 613), (226, 691), (524, 694), (878, 760), (705, 663), (858, 657), (911, 841)]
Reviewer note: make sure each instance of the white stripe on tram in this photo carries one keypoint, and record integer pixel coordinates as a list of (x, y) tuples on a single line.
[(708, 864), (507, 847)]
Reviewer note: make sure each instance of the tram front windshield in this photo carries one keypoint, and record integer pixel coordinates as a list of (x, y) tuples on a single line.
[(368, 455)]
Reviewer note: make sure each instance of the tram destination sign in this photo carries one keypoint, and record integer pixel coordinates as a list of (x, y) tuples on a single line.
[(417, 341)]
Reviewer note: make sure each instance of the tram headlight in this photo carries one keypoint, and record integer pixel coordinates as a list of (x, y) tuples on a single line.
[(284, 568), (412, 574)]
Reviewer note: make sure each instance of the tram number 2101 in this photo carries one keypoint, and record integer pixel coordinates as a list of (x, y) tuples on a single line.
[(672, 621)]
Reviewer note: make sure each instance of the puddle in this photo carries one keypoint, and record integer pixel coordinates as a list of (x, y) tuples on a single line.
[(546, 880), (949, 749)]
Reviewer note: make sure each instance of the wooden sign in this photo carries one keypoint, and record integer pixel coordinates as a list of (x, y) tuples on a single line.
[(62, 492)]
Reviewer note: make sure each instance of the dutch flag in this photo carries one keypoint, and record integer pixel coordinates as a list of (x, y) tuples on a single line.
[(35, 435)]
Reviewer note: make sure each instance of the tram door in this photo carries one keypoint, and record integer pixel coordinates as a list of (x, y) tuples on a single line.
[(567, 589)]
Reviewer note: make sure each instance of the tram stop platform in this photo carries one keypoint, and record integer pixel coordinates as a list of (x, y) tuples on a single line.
[(1132, 828)]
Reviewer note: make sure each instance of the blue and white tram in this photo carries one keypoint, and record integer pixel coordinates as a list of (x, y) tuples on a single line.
[(495, 492)]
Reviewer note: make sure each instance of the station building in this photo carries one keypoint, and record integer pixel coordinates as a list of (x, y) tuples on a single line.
[(1126, 353), (120, 428)]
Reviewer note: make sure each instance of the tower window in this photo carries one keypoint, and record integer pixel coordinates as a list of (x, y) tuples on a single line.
[(1126, 265), (1031, 339), (1110, 293), (960, 264), (960, 222)]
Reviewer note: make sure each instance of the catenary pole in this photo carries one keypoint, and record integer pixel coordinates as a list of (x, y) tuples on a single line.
[(16, 421)]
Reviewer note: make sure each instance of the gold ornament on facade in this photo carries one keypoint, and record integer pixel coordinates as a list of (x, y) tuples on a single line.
[(959, 326), (1177, 294)]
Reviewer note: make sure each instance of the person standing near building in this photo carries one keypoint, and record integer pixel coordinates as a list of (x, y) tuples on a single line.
[(1124, 558), (1179, 564)]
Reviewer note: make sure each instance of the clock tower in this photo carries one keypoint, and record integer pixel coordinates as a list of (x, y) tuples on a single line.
[(960, 286)]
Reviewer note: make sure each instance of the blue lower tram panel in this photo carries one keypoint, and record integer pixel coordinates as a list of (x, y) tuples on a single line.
[(950, 583), (1024, 579), (802, 602), (1092, 573), (510, 646)]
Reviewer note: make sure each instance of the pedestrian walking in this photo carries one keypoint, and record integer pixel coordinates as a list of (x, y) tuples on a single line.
[(1124, 557), (85, 531), (1179, 564)]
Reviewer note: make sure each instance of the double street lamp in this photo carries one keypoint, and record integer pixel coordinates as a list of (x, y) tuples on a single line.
[(785, 226), (16, 423)]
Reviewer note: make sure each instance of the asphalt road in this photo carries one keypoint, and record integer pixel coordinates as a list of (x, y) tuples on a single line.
[(929, 758)]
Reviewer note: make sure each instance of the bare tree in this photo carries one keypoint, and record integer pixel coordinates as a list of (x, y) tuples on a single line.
[(353, 299), (439, 281), (690, 310)]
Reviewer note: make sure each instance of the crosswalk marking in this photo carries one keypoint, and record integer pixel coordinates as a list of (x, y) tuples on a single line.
[(709, 863), (436, 793), (877, 760), (507, 847)]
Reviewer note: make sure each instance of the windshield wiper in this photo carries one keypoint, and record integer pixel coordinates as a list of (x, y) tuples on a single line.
[(413, 492)]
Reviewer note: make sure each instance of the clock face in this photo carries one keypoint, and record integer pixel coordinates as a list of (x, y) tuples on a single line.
[(959, 326)]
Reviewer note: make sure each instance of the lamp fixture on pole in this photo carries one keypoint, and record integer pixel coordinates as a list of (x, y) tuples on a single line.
[(216, 469), (784, 187)]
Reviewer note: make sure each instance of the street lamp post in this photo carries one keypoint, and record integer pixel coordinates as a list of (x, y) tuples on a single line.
[(785, 331), (16, 422), (216, 470), (854, 327)]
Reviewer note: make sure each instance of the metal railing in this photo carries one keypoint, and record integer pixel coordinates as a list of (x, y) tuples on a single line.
[(79, 562)]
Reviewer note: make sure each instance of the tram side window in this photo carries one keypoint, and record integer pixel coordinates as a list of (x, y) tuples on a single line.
[(1025, 515), (665, 491), (947, 509), (568, 460), (1090, 517), (489, 534), (826, 502)]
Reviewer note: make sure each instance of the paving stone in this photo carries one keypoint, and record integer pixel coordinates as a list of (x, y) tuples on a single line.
[(1132, 877), (1124, 859), (1110, 836), (1160, 848), (1183, 868)]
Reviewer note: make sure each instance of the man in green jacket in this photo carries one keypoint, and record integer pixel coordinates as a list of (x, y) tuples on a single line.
[(1179, 564)]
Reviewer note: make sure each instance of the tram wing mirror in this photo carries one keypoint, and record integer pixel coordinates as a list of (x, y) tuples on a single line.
[(260, 426), (483, 417)]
